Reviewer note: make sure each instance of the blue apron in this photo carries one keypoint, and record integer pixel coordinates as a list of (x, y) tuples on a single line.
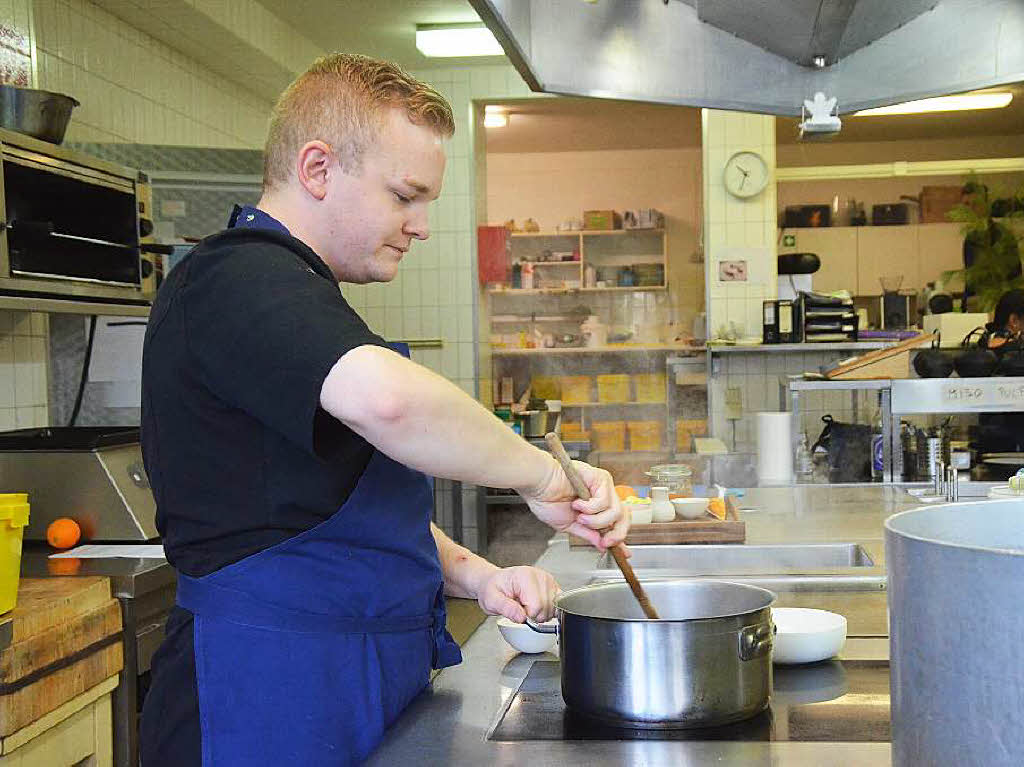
[(306, 651)]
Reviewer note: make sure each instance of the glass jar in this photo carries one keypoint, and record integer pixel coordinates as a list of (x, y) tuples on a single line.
[(677, 477)]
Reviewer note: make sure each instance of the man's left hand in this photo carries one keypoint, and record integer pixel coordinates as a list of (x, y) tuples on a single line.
[(518, 593)]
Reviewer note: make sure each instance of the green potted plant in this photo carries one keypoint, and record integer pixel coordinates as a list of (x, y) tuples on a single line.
[(991, 243)]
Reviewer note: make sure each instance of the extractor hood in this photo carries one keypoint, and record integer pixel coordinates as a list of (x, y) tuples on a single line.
[(761, 55)]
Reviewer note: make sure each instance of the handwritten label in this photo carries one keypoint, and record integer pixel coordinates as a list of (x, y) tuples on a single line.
[(989, 394)]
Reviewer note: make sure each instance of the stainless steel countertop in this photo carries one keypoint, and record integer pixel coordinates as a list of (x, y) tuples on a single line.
[(449, 723), (129, 577)]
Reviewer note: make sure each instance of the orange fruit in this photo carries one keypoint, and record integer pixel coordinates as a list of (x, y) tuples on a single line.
[(624, 491), (63, 533)]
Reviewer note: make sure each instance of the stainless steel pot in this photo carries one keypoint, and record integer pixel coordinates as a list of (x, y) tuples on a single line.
[(40, 114), (705, 662), (956, 580)]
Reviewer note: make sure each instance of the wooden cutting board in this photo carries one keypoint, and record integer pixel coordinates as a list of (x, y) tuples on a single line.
[(707, 530), (66, 638)]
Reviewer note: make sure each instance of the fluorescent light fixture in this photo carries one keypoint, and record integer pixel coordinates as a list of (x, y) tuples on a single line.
[(495, 119), (451, 40), (942, 104)]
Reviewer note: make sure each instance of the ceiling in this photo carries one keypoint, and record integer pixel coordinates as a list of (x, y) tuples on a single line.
[(382, 28), (579, 125)]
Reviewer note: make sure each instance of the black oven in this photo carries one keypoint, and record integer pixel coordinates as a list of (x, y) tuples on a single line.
[(70, 225)]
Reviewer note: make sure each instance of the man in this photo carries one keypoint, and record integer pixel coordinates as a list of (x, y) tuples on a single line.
[(287, 447)]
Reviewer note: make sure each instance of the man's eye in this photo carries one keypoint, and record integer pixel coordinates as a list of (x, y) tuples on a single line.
[(402, 198)]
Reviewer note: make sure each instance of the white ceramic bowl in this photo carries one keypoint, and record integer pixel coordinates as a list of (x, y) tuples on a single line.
[(806, 636), (524, 638), (690, 508)]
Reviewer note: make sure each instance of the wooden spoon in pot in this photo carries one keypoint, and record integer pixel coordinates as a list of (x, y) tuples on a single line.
[(578, 485)]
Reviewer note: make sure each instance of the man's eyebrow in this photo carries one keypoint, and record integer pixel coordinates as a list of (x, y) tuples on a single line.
[(421, 188)]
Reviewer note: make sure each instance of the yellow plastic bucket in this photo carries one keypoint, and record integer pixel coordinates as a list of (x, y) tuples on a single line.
[(13, 519)]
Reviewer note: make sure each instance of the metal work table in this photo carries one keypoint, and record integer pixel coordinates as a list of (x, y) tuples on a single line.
[(145, 588), (450, 723)]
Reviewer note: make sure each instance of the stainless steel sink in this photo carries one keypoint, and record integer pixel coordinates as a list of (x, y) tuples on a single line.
[(678, 561)]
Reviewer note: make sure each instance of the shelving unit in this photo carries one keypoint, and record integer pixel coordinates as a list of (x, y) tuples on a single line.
[(606, 251)]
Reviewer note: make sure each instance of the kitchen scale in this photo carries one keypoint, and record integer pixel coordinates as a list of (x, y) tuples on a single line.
[(833, 701)]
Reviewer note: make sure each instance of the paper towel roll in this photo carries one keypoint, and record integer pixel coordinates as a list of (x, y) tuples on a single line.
[(774, 448)]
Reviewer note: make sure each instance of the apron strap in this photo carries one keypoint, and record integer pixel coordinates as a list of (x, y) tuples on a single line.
[(206, 599)]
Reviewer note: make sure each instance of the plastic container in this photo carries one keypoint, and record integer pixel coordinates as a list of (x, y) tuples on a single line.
[(545, 387), (13, 520), (573, 431), (575, 389), (613, 388), (661, 507), (650, 387), (609, 436), (644, 435)]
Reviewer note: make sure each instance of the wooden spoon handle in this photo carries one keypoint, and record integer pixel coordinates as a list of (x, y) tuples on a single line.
[(581, 490)]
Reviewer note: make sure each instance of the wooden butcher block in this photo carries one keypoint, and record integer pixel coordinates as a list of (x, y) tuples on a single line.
[(66, 639)]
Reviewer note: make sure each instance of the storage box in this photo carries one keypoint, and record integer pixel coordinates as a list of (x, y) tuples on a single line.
[(937, 201), (650, 387), (687, 430), (13, 520), (609, 436), (644, 435), (575, 389), (644, 218), (952, 327), (613, 388), (573, 431), (545, 387), (601, 219)]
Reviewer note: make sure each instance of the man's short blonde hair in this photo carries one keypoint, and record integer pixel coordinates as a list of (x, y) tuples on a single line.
[(341, 99)]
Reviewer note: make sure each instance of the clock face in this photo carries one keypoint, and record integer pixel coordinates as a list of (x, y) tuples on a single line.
[(746, 174)]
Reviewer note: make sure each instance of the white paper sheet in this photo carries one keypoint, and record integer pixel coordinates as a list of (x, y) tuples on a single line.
[(117, 349), (101, 551)]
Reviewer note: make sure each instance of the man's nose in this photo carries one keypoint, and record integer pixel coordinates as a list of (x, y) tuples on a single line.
[(418, 226)]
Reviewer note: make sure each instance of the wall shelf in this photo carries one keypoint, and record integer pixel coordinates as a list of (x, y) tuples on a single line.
[(541, 291), (593, 350), (590, 233)]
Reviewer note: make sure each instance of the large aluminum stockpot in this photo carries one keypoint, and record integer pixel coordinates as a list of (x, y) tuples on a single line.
[(956, 612), (705, 662), (40, 114)]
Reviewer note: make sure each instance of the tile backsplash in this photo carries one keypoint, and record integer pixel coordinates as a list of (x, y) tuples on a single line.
[(23, 370)]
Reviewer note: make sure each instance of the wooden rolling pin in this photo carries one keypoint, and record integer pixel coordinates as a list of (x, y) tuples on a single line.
[(581, 489)]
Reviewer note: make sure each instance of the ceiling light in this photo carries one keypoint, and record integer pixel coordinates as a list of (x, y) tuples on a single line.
[(942, 104), (445, 40), (495, 119), (494, 108)]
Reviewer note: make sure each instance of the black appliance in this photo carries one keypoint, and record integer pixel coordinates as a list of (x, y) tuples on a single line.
[(806, 216), (781, 322), (890, 214), (896, 311)]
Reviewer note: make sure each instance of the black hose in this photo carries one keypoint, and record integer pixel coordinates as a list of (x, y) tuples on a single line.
[(85, 371)]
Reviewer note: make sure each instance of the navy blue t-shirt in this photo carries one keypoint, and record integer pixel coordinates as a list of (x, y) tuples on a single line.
[(239, 453)]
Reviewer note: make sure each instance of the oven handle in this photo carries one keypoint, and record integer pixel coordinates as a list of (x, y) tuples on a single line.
[(45, 229)]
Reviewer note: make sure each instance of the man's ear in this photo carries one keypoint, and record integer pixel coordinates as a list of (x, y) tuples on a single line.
[(313, 168)]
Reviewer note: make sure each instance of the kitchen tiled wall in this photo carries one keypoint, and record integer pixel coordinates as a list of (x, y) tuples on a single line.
[(134, 88), (733, 223), (757, 376), (23, 369), (16, 42)]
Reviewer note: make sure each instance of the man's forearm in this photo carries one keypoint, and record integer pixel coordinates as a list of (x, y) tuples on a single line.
[(424, 421), (463, 570)]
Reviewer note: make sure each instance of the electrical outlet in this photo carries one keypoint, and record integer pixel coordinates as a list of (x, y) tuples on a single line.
[(733, 403), (732, 271)]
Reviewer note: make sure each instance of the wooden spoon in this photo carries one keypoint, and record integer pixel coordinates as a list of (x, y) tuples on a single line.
[(581, 489)]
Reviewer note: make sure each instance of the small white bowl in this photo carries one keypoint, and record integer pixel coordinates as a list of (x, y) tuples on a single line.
[(690, 508), (806, 636), (524, 638)]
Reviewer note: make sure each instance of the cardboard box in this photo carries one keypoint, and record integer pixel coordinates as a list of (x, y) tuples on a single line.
[(937, 201), (601, 219)]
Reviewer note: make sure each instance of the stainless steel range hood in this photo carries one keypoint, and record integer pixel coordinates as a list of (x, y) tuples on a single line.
[(760, 55)]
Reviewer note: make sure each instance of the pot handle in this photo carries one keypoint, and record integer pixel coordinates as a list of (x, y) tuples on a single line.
[(755, 641), (541, 629)]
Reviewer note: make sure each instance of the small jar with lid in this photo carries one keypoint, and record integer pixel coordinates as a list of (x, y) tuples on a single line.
[(677, 477)]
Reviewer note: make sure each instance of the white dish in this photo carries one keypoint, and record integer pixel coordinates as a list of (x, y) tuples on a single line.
[(803, 635), (690, 508), (524, 638)]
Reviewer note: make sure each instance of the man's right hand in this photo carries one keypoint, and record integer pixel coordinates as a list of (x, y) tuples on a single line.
[(555, 503)]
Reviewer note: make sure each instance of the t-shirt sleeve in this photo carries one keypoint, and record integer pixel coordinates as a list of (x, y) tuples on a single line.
[(264, 330)]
